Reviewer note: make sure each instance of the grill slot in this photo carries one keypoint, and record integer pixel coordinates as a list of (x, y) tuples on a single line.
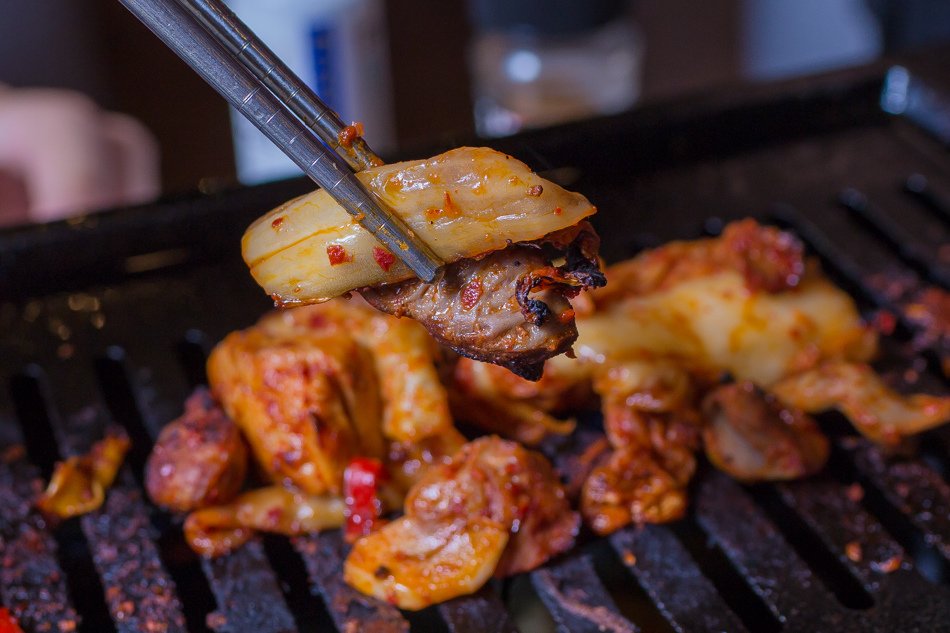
[(684, 589), (137, 587), (921, 257), (937, 201), (120, 400), (759, 553), (37, 433), (834, 513), (835, 576), (307, 608), (193, 354), (632, 600)]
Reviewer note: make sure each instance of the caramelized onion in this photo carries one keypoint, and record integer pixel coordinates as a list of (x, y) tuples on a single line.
[(78, 485), (858, 392), (462, 203), (219, 529)]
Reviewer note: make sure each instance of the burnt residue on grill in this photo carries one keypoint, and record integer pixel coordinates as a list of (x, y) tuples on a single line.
[(86, 341)]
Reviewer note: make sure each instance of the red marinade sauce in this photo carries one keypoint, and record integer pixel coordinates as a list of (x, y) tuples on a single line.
[(361, 481), (471, 293), (8, 623), (384, 258)]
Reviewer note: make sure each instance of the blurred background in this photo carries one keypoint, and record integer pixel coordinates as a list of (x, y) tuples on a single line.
[(420, 73)]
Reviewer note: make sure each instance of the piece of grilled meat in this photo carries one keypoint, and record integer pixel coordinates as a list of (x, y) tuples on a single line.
[(511, 307)]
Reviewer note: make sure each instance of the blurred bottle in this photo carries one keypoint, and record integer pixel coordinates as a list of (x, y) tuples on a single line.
[(339, 48), (540, 62)]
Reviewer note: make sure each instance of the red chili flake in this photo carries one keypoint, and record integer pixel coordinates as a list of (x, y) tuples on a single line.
[(363, 508), (471, 293), (884, 322), (855, 492), (558, 211), (536, 191), (384, 258), (629, 558), (888, 566), (276, 224), (274, 515), (338, 255), (854, 551), (8, 623), (216, 621)]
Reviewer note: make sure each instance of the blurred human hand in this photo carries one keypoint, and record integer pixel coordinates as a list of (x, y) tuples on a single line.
[(61, 155)]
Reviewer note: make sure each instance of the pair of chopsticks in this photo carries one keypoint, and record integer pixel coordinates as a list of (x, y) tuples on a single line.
[(226, 54)]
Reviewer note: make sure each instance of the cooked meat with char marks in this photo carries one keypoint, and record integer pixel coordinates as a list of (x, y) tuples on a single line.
[(198, 460), (510, 307), (473, 309)]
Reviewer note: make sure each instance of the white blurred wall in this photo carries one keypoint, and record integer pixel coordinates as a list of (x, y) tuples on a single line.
[(781, 38)]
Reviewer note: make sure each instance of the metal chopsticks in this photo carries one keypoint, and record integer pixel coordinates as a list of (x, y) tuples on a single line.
[(204, 34), (241, 42)]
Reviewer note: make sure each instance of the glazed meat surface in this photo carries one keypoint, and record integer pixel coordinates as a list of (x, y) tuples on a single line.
[(751, 436), (510, 307), (655, 344), (198, 460), (306, 400), (473, 309)]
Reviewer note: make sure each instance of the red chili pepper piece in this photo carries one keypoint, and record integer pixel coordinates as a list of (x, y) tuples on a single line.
[(8, 623), (384, 258), (337, 255), (361, 481)]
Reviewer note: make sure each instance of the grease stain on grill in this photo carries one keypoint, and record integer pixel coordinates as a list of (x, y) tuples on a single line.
[(32, 581), (911, 503), (825, 565)]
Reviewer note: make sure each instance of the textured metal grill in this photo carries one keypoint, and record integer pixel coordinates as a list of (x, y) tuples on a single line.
[(111, 323)]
